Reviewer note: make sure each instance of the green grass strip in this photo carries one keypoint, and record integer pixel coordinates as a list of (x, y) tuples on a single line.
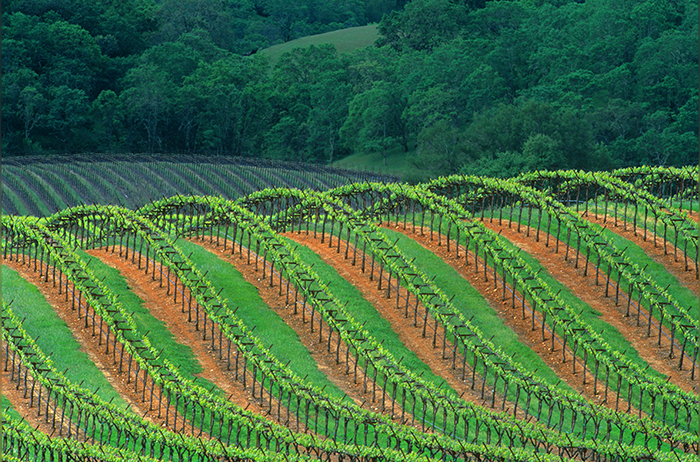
[(54, 336), (471, 303), (269, 327), (688, 205), (362, 310), (659, 273), (10, 410), (589, 315), (159, 334)]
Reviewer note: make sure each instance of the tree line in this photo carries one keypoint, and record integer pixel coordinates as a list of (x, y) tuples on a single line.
[(460, 85)]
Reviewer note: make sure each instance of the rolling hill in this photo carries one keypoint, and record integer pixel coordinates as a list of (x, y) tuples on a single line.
[(344, 40), (552, 316)]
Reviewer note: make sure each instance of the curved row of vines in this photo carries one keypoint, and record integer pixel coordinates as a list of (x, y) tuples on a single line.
[(523, 417)]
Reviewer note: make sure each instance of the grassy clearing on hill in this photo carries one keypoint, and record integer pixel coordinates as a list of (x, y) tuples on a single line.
[(344, 40)]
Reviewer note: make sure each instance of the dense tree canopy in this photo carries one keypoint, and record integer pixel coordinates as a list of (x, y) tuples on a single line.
[(475, 86)]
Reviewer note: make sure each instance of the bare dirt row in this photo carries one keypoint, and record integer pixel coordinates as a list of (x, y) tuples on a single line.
[(409, 335), (84, 337), (653, 246), (270, 295), (511, 317), (585, 289)]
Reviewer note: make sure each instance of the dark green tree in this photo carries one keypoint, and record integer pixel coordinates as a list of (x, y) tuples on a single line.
[(147, 100), (106, 114), (375, 122), (230, 97), (422, 25), (439, 151), (312, 92)]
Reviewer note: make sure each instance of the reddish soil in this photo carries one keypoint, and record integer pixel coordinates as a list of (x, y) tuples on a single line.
[(161, 306), (21, 405), (409, 335), (585, 289), (653, 246), (513, 319), (695, 216), (88, 345), (270, 295)]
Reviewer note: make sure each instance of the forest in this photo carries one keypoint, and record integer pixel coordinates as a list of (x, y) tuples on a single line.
[(461, 86)]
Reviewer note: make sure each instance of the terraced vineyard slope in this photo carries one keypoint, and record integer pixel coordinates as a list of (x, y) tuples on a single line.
[(553, 316)]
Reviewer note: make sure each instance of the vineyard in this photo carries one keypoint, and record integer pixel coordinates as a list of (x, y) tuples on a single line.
[(43, 185), (549, 317)]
